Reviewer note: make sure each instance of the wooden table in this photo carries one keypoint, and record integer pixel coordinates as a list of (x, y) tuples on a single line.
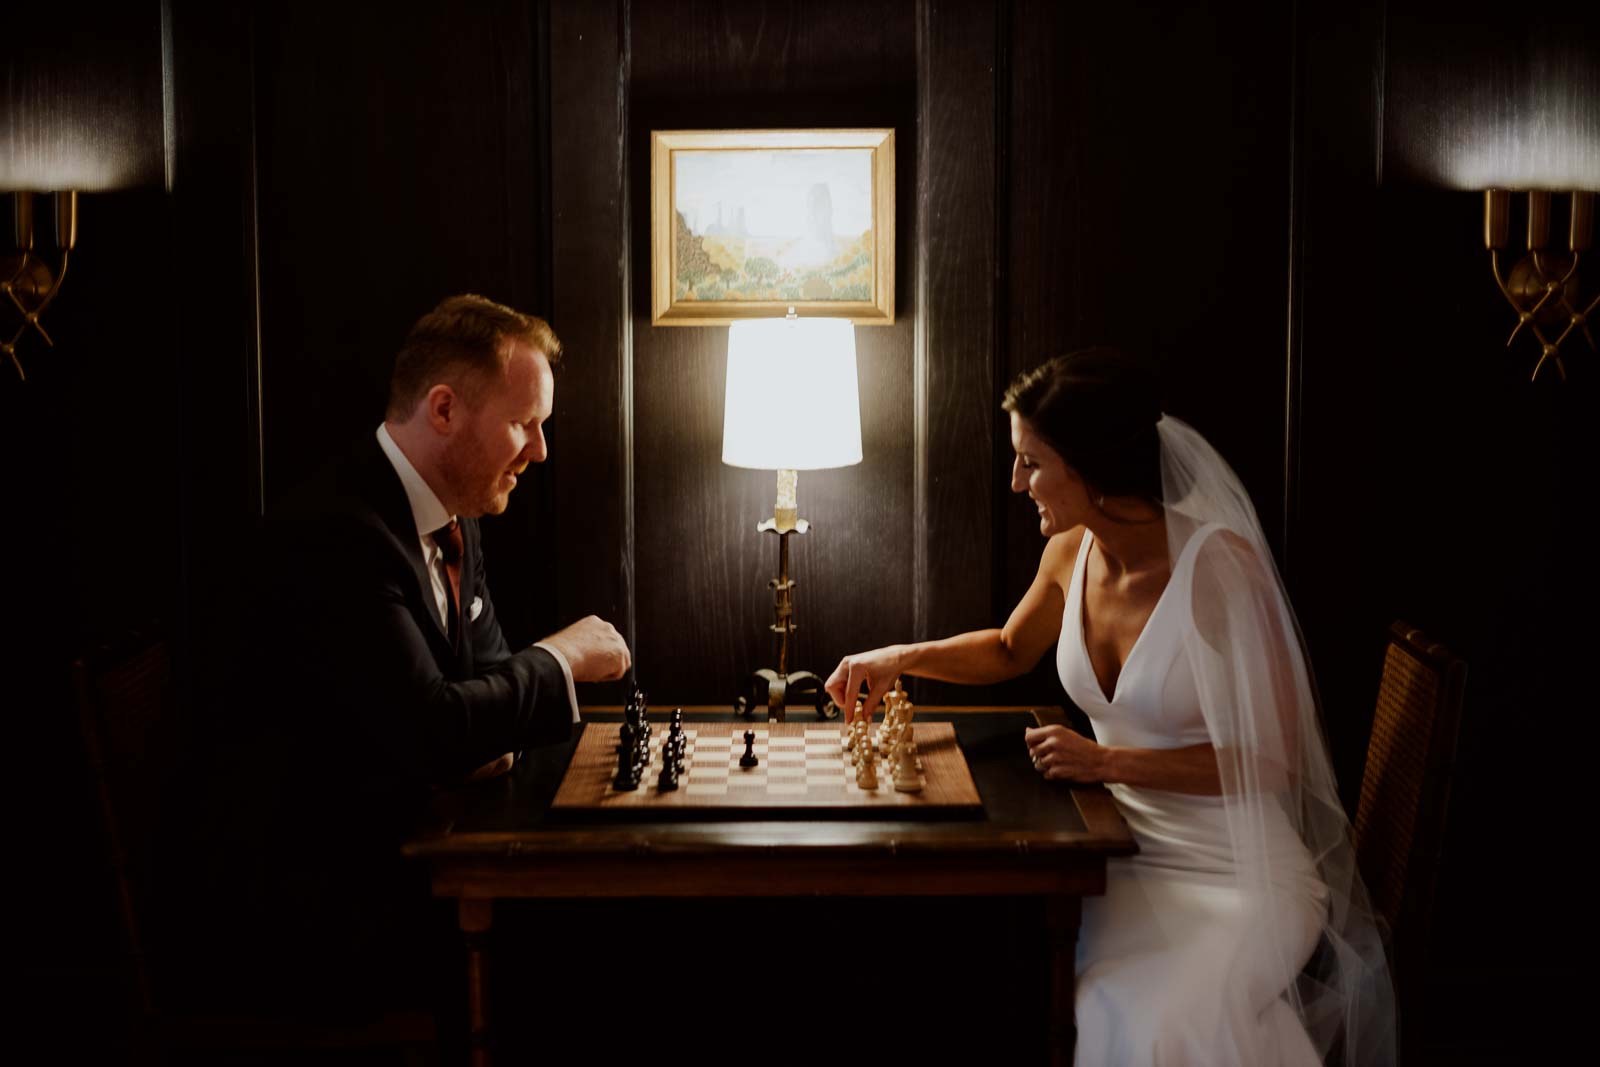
[(500, 840)]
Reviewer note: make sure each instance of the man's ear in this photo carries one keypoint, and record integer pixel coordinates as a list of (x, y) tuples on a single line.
[(443, 409)]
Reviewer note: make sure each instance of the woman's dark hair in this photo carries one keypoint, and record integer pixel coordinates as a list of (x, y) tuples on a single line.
[(1098, 409)]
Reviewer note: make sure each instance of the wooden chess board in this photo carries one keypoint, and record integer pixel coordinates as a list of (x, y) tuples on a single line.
[(802, 766)]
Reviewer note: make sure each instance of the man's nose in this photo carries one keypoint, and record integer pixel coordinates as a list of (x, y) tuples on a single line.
[(536, 449)]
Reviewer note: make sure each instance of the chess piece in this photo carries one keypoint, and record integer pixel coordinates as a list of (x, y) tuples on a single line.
[(867, 769), (641, 750), (627, 778), (891, 724), (669, 773), (749, 757), (906, 778)]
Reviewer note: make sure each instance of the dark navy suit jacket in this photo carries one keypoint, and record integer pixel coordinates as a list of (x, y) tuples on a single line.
[(384, 699)]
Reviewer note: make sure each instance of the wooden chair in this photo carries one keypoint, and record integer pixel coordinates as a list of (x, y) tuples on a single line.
[(123, 692), (125, 701), (1405, 795)]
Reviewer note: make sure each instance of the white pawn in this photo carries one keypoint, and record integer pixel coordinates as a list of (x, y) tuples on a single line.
[(906, 778), (867, 769), (852, 733)]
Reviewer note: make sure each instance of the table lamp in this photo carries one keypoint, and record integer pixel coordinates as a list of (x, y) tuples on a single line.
[(791, 405)]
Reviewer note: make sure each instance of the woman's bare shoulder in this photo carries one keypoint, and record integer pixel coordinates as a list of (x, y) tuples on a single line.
[(1061, 555)]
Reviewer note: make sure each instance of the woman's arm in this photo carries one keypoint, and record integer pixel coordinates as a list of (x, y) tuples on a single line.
[(1060, 753), (980, 657)]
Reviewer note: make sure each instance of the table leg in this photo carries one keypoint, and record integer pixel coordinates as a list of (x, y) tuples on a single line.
[(1062, 914), (475, 917)]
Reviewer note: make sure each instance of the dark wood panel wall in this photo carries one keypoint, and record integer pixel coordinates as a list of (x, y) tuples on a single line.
[(399, 161), (1437, 484)]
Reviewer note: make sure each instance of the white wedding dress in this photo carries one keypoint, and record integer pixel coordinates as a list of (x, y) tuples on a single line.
[(1172, 964)]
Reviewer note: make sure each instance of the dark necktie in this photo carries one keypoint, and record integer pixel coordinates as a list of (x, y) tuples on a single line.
[(448, 538)]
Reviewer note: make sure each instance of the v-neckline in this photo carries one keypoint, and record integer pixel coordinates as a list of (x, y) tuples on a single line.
[(1083, 634)]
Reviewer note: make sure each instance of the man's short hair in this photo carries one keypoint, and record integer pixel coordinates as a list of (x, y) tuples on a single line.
[(462, 343)]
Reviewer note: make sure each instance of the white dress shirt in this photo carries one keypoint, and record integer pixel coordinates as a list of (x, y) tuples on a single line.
[(430, 515)]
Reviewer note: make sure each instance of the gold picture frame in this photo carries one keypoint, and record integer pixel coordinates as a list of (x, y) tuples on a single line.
[(748, 224)]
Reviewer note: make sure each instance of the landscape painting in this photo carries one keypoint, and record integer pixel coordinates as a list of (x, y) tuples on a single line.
[(758, 222)]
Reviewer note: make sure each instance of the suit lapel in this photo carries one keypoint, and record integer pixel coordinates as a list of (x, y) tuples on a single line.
[(394, 508)]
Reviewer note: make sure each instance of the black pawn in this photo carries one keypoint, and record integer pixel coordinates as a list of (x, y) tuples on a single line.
[(749, 757), (627, 778), (669, 776)]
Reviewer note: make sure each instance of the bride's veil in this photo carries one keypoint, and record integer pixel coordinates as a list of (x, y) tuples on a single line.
[(1259, 701)]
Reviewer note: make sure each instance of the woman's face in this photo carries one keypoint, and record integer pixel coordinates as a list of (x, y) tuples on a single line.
[(1054, 487)]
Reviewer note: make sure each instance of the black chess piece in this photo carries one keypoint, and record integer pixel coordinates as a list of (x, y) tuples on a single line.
[(627, 778), (669, 774), (677, 719), (749, 757)]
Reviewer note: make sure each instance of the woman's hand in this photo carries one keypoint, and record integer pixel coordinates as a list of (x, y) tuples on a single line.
[(878, 668), (1058, 752)]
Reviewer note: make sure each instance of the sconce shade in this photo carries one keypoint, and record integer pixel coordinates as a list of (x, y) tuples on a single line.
[(792, 402)]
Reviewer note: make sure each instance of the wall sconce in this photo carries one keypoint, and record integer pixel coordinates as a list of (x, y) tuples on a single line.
[(27, 285), (791, 405), (1543, 286)]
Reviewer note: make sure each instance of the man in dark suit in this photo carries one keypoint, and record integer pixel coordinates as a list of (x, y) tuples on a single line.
[(388, 671)]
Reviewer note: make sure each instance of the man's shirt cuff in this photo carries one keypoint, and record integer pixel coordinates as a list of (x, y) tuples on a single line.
[(566, 672)]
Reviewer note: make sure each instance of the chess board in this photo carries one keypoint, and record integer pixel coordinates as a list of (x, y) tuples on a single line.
[(802, 766)]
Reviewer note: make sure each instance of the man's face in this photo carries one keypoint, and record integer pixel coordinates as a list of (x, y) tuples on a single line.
[(502, 433)]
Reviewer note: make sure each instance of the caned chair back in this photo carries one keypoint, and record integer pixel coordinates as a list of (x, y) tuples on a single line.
[(1405, 789), (1405, 795)]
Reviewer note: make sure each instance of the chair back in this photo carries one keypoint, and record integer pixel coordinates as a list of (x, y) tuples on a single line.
[(1405, 795), (124, 696)]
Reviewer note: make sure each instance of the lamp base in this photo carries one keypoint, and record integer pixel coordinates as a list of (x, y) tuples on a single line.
[(767, 686)]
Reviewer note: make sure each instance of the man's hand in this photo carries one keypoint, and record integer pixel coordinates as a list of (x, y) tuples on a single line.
[(494, 768), (594, 650)]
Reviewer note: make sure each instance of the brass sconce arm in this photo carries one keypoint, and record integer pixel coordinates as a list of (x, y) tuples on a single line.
[(1543, 286), (27, 283)]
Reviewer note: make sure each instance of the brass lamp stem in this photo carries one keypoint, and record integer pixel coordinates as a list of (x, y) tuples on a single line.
[(775, 687)]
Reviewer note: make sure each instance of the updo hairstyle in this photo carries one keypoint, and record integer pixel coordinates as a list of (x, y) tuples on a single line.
[(1098, 409)]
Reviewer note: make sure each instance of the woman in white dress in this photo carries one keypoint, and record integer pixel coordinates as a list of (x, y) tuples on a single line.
[(1241, 932)]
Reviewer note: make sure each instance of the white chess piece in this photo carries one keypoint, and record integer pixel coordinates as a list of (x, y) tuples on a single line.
[(906, 778), (867, 768)]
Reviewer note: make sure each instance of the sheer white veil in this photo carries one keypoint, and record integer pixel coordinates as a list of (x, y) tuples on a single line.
[(1259, 700)]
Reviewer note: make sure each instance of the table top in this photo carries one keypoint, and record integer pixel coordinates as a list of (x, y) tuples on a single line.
[(1023, 817)]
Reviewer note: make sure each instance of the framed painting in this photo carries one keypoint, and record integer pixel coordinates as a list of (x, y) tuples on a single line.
[(748, 224)]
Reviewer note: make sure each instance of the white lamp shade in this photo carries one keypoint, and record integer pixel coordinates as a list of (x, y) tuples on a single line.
[(792, 401)]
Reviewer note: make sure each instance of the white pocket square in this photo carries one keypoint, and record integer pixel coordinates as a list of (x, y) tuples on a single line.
[(476, 609)]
